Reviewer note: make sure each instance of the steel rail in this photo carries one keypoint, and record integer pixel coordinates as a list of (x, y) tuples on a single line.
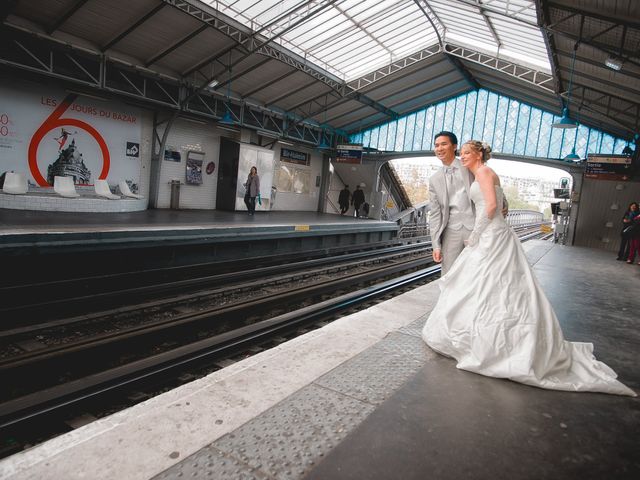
[(148, 292), (46, 401)]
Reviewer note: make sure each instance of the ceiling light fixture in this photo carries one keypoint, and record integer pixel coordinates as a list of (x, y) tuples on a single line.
[(573, 156), (566, 121), (323, 143), (283, 142), (614, 63)]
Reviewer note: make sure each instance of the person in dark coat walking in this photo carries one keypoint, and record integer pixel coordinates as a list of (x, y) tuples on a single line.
[(343, 199), (357, 200), (253, 189), (625, 238)]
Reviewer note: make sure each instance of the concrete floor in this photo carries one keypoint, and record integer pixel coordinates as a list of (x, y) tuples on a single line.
[(449, 424)]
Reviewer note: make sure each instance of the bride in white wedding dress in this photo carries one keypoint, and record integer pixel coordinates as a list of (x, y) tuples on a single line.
[(493, 317)]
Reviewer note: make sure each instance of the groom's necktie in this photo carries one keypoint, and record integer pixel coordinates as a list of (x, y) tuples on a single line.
[(449, 174)]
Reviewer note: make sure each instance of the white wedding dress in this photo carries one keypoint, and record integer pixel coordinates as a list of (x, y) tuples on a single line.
[(495, 320)]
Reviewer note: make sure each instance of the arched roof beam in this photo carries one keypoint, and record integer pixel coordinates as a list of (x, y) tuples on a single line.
[(130, 29), (242, 73), (393, 67), (363, 29), (433, 19), (526, 74), (291, 93), (269, 83), (606, 110), (65, 16), (251, 41), (627, 21), (175, 45)]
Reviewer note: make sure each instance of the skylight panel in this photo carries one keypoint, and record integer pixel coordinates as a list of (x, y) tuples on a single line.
[(353, 37)]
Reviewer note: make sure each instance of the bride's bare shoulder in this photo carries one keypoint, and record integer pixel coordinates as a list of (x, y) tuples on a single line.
[(487, 174)]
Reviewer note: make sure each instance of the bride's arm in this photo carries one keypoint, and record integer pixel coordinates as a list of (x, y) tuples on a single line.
[(484, 177)]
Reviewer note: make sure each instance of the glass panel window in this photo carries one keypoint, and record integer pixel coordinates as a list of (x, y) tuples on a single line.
[(522, 132), (459, 112), (429, 130), (479, 116), (410, 124), (533, 132), (490, 122), (607, 144), (469, 112)]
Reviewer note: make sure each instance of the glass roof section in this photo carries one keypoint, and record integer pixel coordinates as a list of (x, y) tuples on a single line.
[(350, 38)]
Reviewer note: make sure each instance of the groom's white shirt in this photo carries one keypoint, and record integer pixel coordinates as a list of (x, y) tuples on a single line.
[(442, 198)]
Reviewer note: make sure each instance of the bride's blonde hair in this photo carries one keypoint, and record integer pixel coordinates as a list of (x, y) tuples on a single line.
[(482, 147)]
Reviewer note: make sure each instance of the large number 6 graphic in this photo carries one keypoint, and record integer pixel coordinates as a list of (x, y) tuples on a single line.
[(54, 121)]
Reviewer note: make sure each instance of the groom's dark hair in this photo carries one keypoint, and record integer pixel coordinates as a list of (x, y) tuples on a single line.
[(451, 135)]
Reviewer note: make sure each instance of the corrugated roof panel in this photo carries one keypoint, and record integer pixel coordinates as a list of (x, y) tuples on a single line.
[(195, 50), (103, 21)]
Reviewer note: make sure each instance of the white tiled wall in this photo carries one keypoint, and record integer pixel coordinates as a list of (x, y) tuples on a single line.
[(185, 136), (52, 202)]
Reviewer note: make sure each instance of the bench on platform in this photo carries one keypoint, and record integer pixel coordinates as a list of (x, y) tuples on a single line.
[(65, 187), (126, 191), (15, 183), (103, 190)]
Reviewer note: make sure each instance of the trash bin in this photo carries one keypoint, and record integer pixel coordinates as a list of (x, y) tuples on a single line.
[(174, 203)]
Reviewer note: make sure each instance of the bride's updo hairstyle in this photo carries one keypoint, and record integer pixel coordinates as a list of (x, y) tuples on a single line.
[(480, 147)]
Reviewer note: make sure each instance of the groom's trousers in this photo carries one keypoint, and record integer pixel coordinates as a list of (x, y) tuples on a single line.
[(452, 245)]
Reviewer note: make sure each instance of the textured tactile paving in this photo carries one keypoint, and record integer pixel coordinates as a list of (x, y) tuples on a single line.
[(212, 464), (415, 327), (288, 440), (375, 374)]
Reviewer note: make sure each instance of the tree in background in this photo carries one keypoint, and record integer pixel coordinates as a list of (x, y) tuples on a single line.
[(417, 190), (515, 202)]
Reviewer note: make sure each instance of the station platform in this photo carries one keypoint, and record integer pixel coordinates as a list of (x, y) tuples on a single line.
[(42, 245), (31, 228), (365, 398)]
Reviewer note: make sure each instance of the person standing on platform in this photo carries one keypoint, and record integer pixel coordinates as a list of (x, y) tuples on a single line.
[(625, 237), (343, 199), (451, 215), (357, 200), (633, 234), (253, 190)]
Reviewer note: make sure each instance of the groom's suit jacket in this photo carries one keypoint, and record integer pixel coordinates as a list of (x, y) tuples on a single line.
[(439, 198)]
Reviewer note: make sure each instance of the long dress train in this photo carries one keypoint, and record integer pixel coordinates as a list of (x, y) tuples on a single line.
[(495, 320)]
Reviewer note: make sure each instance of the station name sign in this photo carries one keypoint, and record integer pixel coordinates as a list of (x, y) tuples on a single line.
[(351, 153), (608, 167), (293, 156)]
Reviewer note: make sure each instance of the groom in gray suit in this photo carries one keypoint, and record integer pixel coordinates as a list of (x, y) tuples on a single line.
[(451, 216)]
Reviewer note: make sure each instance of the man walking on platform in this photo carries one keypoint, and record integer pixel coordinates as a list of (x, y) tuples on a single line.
[(343, 199), (357, 200)]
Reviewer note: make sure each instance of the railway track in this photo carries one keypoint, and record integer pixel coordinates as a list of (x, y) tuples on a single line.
[(77, 360)]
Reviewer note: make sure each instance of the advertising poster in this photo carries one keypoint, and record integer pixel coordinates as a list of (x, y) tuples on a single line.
[(194, 167), (46, 132)]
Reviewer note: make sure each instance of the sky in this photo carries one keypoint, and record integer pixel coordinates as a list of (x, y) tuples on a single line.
[(509, 168)]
